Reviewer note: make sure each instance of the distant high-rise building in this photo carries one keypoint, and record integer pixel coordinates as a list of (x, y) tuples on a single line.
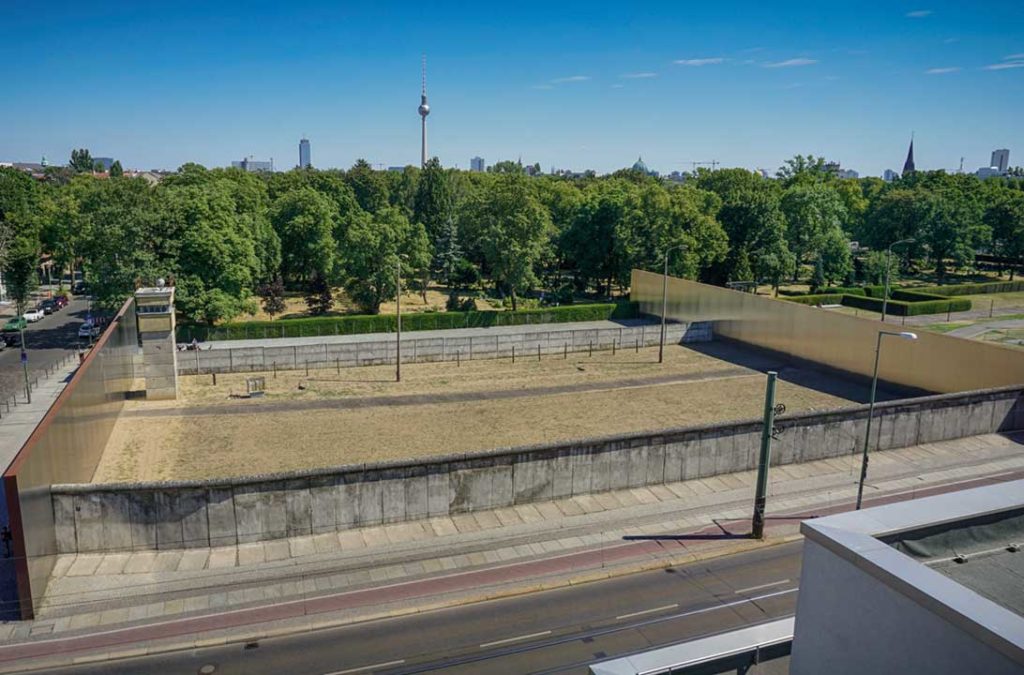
[(1000, 160), (890, 175), (254, 166), (304, 162), (847, 173), (908, 166), (476, 164), (103, 162)]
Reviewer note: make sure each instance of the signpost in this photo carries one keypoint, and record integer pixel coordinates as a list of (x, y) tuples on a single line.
[(761, 496)]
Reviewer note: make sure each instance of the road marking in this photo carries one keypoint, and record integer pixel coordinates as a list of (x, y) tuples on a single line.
[(647, 611), (366, 668), (762, 586), (514, 639)]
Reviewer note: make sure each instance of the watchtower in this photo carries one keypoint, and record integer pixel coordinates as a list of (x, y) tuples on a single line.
[(154, 310)]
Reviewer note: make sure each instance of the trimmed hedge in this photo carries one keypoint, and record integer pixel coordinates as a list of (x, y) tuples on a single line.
[(831, 290), (976, 289), (823, 298), (387, 323), (904, 307)]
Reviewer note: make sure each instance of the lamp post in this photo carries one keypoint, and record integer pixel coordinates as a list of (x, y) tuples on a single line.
[(888, 266), (398, 333), (664, 301), (906, 335)]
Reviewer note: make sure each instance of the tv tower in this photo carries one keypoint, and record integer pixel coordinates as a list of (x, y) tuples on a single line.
[(424, 110)]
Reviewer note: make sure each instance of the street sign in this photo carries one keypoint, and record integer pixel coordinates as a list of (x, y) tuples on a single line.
[(24, 357)]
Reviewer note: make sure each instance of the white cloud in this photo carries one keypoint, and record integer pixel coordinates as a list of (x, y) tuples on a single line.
[(542, 86), (950, 40), (1014, 57), (571, 78), (919, 13), (942, 71), (1005, 65), (699, 62), (791, 63), (617, 86), (638, 76)]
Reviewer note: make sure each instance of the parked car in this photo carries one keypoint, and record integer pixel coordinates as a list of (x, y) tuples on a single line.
[(48, 306), (79, 288), (61, 300), (34, 315), (88, 330), (15, 324)]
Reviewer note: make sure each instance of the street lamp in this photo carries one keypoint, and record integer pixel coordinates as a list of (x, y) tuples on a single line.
[(906, 335), (664, 301), (888, 266), (398, 334)]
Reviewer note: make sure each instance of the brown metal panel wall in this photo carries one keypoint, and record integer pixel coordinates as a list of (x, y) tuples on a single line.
[(934, 362), (66, 447)]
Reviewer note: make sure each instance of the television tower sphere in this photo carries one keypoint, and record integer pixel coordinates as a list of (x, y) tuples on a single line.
[(424, 108)]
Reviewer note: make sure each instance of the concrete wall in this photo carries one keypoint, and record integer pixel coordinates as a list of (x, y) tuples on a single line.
[(419, 350), (92, 517), (849, 622), (66, 446), (933, 363)]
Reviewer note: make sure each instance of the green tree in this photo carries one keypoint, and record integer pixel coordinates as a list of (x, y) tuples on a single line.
[(514, 228), (374, 246), (812, 211), (874, 266), (803, 169), (369, 186), (116, 171), (81, 161), (216, 263), (433, 203), (1005, 217), (834, 257), (304, 222)]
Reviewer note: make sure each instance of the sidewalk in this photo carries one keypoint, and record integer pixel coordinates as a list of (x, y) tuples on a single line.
[(360, 573), (19, 421)]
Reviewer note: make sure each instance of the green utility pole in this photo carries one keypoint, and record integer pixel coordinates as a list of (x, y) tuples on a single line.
[(757, 525)]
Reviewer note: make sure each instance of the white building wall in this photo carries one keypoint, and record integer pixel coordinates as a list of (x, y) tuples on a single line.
[(849, 622)]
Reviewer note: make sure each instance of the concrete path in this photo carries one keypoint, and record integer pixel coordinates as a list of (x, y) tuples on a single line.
[(428, 334), (361, 573), (982, 328)]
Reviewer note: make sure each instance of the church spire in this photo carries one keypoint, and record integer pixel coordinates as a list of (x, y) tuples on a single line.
[(908, 166)]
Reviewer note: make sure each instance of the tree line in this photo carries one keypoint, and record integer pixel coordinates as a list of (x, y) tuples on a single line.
[(228, 238)]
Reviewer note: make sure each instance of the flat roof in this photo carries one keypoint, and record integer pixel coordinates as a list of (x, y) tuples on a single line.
[(983, 554), (912, 548)]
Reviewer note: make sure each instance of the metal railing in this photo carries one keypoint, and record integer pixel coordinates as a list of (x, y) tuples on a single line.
[(11, 401)]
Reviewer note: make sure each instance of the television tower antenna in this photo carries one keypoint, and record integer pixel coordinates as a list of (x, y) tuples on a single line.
[(424, 110)]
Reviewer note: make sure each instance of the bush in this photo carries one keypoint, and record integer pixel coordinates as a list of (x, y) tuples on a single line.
[(386, 323)]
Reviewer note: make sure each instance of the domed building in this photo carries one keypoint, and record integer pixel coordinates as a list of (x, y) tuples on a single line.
[(642, 168)]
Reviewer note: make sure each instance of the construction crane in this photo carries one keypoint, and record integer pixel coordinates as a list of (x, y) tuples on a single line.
[(712, 163)]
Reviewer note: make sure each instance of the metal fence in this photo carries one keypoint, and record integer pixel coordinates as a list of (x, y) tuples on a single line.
[(420, 350), (29, 384)]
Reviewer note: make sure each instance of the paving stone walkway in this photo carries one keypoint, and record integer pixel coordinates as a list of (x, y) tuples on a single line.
[(91, 591)]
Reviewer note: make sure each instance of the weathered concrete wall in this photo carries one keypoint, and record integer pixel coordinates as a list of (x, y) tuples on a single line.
[(421, 350), (91, 517)]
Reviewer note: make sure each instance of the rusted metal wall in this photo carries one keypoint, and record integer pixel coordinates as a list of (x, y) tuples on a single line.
[(934, 362), (66, 447)]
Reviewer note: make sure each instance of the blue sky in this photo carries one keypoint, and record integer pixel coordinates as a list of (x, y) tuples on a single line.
[(566, 84)]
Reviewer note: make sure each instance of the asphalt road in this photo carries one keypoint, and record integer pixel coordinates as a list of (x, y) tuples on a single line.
[(47, 341), (559, 631)]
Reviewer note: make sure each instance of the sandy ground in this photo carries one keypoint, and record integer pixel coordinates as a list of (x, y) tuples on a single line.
[(197, 439)]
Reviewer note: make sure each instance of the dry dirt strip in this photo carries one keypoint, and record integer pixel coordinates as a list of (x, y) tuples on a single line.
[(429, 399)]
